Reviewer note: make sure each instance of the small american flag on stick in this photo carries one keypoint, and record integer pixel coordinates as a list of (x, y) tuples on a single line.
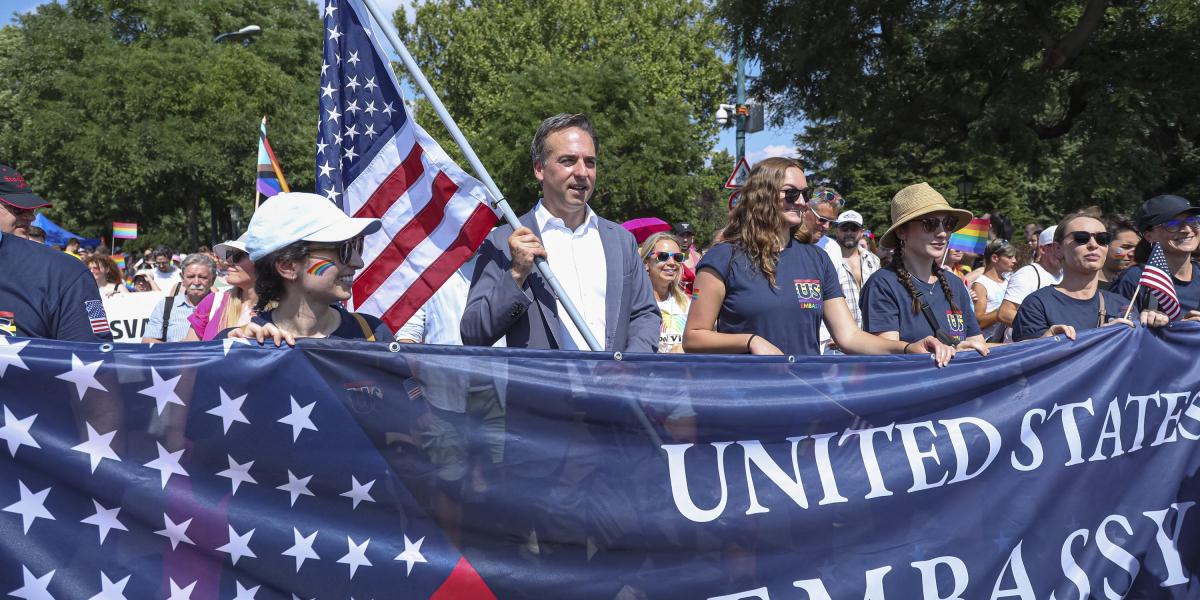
[(1156, 278)]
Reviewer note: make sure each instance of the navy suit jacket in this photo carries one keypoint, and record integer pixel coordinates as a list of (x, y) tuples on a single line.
[(529, 317)]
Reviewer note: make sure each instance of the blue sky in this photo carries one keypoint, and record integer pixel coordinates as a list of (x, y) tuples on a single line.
[(769, 142)]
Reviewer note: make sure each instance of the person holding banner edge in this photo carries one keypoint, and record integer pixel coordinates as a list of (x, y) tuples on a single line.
[(762, 291), (1172, 222)]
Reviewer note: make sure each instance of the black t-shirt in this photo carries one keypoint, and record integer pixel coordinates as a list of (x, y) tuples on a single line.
[(787, 315), (1188, 291), (887, 306), (1048, 306), (45, 293), (348, 329)]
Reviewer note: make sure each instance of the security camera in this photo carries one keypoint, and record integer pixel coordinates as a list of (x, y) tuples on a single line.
[(724, 114)]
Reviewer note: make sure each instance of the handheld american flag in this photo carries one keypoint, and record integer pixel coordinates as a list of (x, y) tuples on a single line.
[(373, 160), (1156, 277)]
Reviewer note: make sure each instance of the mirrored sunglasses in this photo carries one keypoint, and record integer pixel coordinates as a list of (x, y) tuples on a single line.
[(663, 257), (1176, 225)]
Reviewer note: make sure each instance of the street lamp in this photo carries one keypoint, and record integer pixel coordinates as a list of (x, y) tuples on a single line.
[(244, 33), (965, 184)]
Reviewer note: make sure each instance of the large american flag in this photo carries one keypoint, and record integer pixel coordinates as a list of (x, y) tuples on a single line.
[(1156, 277), (373, 160)]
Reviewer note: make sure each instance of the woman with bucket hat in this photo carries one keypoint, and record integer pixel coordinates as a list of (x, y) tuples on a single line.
[(305, 252), (762, 291), (912, 297)]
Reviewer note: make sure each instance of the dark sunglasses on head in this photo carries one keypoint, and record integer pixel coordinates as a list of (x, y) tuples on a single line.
[(850, 227), (931, 224), (1176, 225), (346, 251), (790, 195), (1103, 238), (663, 257)]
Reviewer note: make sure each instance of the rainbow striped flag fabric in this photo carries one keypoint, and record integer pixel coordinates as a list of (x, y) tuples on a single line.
[(973, 238), (124, 231), (120, 260), (270, 176)]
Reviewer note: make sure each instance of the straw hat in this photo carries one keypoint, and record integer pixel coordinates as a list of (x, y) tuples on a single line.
[(914, 202)]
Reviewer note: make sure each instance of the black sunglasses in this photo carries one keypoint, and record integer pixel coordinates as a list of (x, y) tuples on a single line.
[(235, 256), (346, 251), (790, 195), (1103, 238), (931, 224), (663, 257)]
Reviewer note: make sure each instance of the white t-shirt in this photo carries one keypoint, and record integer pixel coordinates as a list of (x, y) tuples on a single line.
[(674, 317), (1027, 280), (166, 281), (995, 297)]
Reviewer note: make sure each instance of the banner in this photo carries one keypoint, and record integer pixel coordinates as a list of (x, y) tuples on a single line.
[(129, 313), (337, 469)]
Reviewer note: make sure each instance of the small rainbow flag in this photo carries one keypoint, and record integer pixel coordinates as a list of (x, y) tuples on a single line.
[(973, 238), (126, 231), (120, 260), (270, 175)]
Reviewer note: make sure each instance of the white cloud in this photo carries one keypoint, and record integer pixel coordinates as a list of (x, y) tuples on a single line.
[(768, 151)]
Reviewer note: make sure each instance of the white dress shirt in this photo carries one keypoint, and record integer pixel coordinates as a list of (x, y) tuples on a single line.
[(576, 258)]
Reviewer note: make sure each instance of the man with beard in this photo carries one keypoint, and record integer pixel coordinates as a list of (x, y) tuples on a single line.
[(853, 265), (169, 319)]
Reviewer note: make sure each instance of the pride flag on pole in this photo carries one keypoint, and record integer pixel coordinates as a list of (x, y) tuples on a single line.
[(270, 175), (973, 238), (127, 231), (120, 260)]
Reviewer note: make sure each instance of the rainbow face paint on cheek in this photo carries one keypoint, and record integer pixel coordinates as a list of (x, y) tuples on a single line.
[(320, 267)]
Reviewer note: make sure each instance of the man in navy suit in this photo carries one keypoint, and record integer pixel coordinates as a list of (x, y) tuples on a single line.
[(596, 261)]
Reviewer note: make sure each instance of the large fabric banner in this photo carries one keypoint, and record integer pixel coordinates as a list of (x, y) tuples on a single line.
[(1052, 469)]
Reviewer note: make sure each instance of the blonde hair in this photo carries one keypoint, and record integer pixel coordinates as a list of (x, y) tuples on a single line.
[(673, 288), (754, 223)]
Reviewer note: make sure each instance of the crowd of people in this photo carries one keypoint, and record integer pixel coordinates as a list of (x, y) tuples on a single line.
[(792, 272)]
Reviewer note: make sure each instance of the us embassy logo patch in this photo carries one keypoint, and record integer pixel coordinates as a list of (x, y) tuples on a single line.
[(808, 292)]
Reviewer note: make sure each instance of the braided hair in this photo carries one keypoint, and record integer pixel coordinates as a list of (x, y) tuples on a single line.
[(906, 280)]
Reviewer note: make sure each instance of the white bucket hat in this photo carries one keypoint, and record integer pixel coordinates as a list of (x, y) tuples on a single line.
[(291, 217)]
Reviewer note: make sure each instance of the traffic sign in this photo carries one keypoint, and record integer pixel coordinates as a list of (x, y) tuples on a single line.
[(739, 176)]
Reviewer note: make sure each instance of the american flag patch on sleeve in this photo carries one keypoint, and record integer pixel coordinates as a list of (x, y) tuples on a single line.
[(96, 316)]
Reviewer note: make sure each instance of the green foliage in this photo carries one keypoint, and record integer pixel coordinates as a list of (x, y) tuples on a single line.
[(127, 110), (647, 72), (1050, 105)]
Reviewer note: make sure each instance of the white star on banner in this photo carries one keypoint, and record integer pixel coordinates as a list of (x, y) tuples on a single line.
[(176, 532), (83, 376), (10, 355), (237, 473), (178, 593), (349, 153), (356, 556), (238, 546), (16, 431), (332, 114), (296, 487), (230, 410), (370, 109), (325, 169), (412, 553), (328, 90), (33, 588), (163, 390), (228, 343), (359, 492), (111, 590), (324, 68), (352, 107), (370, 85), (329, 8), (321, 146), (244, 593), (98, 447), (388, 110), (334, 34), (105, 520), (302, 548), (31, 506), (370, 132), (167, 464), (299, 419), (332, 194), (352, 132), (354, 59)]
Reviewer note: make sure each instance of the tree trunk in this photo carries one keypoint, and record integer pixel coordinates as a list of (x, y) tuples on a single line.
[(193, 226)]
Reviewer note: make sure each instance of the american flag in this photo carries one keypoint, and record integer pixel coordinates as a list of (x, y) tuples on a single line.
[(96, 316), (1156, 277), (373, 160)]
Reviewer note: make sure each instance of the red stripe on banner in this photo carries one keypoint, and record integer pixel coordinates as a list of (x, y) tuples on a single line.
[(394, 186), (474, 230), (464, 583), (414, 232)]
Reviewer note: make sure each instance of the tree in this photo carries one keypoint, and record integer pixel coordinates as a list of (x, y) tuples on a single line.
[(1048, 105), (648, 72), (127, 110)]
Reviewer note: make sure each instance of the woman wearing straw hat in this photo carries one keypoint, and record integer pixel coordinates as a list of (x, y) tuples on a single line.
[(912, 298), (761, 291)]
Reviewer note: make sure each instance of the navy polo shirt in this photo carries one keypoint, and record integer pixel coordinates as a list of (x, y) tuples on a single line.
[(45, 293)]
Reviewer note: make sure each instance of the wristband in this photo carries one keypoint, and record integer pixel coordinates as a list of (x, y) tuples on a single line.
[(905, 351), (748, 340)]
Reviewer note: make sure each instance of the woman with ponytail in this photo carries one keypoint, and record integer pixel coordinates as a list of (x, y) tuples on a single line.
[(913, 297), (761, 291)]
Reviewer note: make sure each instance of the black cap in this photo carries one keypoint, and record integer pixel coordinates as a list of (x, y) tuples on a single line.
[(14, 191), (1160, 209), (682, 228)]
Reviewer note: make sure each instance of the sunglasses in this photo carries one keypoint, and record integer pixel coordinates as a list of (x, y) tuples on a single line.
[(18, 211), (824, 221), (1176, 225), (850, 227), (1103, 238), (346, 251), (931, 224), (235, 256), (663, 257), (790, 195)]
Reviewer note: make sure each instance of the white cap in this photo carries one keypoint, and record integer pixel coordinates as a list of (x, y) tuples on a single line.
[(291, 217), (1047, 236), (850, 216), (222, 249)]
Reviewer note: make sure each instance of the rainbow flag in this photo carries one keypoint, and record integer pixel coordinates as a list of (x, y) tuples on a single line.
[(126, 231), (270, 175), (120, 260), (973, 238)]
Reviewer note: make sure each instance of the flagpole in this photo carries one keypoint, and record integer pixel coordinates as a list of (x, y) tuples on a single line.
[(500, 202), (1132, 301)]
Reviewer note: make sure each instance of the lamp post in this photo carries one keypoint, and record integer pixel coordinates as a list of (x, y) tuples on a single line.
[(244, 34), (965, 184)]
